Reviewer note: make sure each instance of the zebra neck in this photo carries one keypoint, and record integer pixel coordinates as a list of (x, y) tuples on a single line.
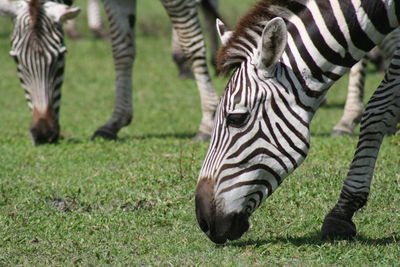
[(328, 37)]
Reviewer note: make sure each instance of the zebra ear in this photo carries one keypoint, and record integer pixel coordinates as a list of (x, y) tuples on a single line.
[(272, 44), (10, 9), (223, 32), (59, 12)]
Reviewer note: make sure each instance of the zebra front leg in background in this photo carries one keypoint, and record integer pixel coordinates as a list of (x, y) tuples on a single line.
[(94, 22), (94, 19), (354, 106), (187, 26), (181, 61), (354, 102), (122, 16), (210, 11), (380, 117)]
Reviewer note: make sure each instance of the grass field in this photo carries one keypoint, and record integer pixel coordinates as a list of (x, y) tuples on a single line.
[(131, 201)]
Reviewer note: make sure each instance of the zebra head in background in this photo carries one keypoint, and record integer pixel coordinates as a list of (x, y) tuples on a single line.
[(37, 47)]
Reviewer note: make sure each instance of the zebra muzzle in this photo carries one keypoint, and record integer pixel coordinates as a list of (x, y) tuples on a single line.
[(219, 227)]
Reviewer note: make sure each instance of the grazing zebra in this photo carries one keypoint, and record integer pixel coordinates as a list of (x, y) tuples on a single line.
[(37, 46), (184, 18), (354, 106), (284, 55)]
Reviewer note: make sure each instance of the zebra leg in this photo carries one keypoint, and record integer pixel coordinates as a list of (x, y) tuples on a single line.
[(187, 26), (94, 19), (380, 117), (71, 29), (121, 15), (210, 11), (181, 61), (354, 106)]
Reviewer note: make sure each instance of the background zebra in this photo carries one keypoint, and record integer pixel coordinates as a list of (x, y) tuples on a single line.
[(354, 105), (93, 19), (284, 56), (185, 21), (121, 14), (37, 46)]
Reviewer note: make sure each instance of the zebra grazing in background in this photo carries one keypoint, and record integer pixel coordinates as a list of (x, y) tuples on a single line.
[(354, 106), (42, 78), (37, 46), (284, 55), (184, 18)]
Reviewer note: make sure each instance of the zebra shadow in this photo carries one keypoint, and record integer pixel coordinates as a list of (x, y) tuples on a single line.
[(313, 238), (146, 136), (128, 138)]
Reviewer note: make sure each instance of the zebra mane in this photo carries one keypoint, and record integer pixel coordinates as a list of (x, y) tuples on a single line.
[(245, 35), (34, 10)]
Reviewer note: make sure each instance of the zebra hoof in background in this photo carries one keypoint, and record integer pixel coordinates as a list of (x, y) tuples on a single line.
[(104, 133), (335, 227), (200, 136), (341, 133)]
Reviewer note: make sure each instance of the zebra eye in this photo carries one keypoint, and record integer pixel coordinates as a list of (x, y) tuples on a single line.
[(237, 119)]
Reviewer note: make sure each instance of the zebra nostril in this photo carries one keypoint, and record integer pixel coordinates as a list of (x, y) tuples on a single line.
[(204, 226)]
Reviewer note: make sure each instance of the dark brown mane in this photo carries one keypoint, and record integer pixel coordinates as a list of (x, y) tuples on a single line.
[(34, 9), (227, 60)]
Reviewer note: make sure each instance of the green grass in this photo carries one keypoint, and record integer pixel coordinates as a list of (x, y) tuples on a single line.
[(131, 202)]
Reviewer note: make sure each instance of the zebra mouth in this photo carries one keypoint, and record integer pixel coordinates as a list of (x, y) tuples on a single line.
[(220, 229)]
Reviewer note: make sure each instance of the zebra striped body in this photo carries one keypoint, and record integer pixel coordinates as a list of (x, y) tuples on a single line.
[(184, 18), (37, 46), (354, 106), (284, 55)]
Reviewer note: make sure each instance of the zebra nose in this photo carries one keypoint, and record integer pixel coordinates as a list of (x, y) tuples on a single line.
[(44, 131), (216, 225)]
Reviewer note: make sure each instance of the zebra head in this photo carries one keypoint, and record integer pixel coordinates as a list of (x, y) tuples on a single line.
[(37, 47), (258, 138)]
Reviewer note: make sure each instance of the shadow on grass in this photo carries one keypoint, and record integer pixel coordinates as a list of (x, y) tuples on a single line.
[(332, 106), (158, 136), (313, 238), (125, 138)]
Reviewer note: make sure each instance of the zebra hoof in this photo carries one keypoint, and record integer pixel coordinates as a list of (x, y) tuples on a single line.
[(185, 75), (337, 228), (200, 136), (341, 133), (104, 134)]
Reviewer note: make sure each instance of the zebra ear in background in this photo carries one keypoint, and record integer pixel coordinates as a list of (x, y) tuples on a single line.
[(272, 44), (60, 13), (223, 32), (10, 8)]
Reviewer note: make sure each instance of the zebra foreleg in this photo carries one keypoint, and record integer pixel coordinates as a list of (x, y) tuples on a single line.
[(210, 11), (94, 19), (121, 15), (187, 26), (354, 106), (181, 61), (380, 118)]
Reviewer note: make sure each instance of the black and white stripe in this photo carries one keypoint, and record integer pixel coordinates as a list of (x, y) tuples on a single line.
[(284, 55), (37, 46), (354, 105), (185, 21)]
